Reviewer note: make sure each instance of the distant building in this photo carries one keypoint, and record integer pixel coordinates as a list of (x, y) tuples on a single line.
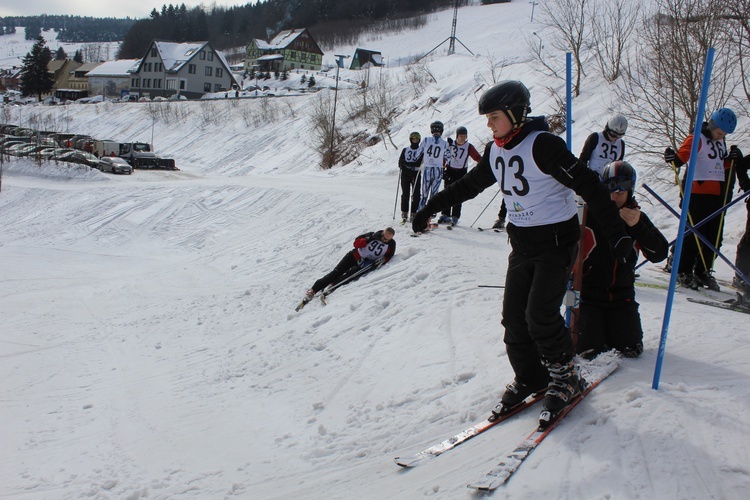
[(110, 78), (290, 49), (9, 78), (61, 72), (364, 58), (190, 69)]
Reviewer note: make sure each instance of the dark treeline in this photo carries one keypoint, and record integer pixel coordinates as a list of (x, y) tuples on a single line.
[(73, 29), (329, 21)]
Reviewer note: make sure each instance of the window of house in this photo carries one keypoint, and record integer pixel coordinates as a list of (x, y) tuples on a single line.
[(219, 72), (293, 54), (203, 55), (157, 83), (147, 82), (171, 83), (303, 57), (183, 83), (209, 71), (210, 56), (217, 87), (191, 69), (154, 52), (135, 82), (207, 87)]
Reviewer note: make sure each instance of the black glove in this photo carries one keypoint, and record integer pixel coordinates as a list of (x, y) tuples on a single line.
[(670, 156), (622, 245), (419, 222), (735, 154)]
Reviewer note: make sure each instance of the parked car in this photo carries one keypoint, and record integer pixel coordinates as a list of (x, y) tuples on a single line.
[(115, 165), (81, 157), (144, 99), (177, 97), (159, 98), (128, 98)]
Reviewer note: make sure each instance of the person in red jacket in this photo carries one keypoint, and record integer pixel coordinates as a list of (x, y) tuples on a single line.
[(458, 165), (608, 316), (371, 250), (709, 190)]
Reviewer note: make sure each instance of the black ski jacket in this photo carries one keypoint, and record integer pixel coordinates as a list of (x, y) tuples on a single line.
[(605, 279), (553, 158)]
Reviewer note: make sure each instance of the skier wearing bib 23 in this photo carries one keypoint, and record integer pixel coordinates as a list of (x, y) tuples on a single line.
[(539, 178)]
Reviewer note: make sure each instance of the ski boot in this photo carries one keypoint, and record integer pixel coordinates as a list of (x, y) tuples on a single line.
[(687, 280), (443, 219), (308, 297), (403, 218), (514, 395), (707, 280), (565, 386)]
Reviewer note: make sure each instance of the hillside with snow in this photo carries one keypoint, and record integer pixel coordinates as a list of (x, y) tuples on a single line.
[(150, 347)]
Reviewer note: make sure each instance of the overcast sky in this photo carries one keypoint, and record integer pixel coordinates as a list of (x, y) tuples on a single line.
[(97, 8)]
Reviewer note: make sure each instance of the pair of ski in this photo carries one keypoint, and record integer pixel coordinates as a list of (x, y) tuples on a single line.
[(595, 372), (740, 304)]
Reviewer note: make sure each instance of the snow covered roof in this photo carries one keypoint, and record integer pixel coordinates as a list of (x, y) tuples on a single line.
[(175, 55), (284, 38), (270, 57), (120, 67)]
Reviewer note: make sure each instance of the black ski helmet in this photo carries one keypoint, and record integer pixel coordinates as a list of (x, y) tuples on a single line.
[(462, 131), (436, 127), (510, 96), (619, 176), (415, 135)]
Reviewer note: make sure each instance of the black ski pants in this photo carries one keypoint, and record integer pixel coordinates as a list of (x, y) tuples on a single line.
[(697, 257), (610, 325), (535, 285), (451, 175), (344, 269), (742, 261), (410, 188)]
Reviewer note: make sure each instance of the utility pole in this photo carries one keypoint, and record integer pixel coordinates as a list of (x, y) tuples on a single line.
[(339, 64), (452, 38)]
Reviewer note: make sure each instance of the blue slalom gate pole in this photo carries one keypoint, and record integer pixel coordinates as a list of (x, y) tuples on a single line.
[(569, 101), (684, 215)]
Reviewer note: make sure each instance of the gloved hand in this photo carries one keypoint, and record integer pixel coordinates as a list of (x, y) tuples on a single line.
[(362, 263), (360, 242), (670, 156), (379, 263), (735, 154), (419, 222), (621, 245)]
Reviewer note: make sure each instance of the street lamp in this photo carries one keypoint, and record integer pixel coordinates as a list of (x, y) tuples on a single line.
[(540, 42), (339, 64)]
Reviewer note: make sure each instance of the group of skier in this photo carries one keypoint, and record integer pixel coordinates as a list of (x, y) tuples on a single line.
[(539, 178)]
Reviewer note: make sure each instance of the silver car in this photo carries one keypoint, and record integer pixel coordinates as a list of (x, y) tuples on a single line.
[(115, 165)]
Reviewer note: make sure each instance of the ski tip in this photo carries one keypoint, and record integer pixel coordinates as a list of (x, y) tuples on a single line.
[(480, 229)]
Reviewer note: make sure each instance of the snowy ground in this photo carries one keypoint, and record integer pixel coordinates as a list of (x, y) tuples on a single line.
[(150, 349)]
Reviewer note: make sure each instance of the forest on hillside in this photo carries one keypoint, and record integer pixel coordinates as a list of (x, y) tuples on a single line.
[(329, 21), (73, 29)]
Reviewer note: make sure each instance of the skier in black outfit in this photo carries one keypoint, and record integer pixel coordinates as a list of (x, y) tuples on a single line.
[(742, 260), (409, 163), (608, 316), (539, 178), (372, 249)]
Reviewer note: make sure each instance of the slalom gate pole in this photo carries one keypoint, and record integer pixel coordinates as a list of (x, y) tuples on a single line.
[(699, 235), (398, 186), (683, 217), (485, 208)]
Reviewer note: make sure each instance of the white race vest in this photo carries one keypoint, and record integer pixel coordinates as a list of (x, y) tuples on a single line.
[(533, 198), (709, 165), (605, 152), (459, 155), (412, 155), (436, 152), (373, 250)]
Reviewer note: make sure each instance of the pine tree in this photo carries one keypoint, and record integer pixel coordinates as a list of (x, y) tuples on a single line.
[(311, 82), (60, 55), (35, 80), (78, 57)]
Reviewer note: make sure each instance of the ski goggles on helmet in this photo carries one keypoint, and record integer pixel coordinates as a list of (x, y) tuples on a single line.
[(619, 184)]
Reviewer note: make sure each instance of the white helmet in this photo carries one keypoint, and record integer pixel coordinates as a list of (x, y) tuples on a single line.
[(617, 125)]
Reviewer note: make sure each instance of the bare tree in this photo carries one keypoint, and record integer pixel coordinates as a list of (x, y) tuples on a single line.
[(384, 103), (612, 29), (739, 15), (568, 20), (662, 83), (321, 128)]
